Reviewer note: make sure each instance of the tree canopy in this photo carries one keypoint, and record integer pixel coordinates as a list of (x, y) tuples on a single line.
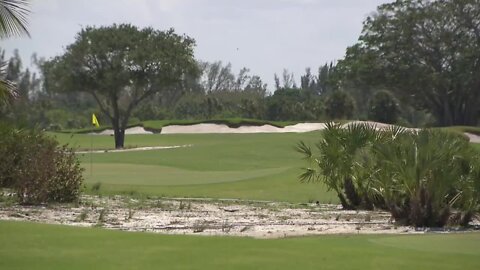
[(427, 52), (121, 66)]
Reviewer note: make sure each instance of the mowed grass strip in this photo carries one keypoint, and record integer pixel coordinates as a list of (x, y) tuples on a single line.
[(154, 175), (40, 246)]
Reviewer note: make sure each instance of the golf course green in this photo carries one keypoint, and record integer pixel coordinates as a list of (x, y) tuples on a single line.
[(238, 166), (39, 246)]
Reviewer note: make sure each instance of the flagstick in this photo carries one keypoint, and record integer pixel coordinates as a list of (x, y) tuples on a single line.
[(91, 151)]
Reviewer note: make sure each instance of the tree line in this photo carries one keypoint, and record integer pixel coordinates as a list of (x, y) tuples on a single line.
[(416, 63)]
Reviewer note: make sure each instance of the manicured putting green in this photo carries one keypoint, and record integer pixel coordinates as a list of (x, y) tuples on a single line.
[(152, 175), (38, 246), (238, 166)]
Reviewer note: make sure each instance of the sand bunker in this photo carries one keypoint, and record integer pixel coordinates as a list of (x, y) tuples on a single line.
[(473, 137), (135, 149), (216, 128), (221, 128), (128, 131)]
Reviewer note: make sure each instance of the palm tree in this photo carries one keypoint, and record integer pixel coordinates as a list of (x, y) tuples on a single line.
[(13, 22), (338, 161)]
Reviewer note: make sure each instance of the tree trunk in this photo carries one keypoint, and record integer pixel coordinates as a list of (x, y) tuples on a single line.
[(343, 201), (119, 137)]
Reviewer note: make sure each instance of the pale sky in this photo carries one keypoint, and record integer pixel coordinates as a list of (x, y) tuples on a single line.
[(265, 36)]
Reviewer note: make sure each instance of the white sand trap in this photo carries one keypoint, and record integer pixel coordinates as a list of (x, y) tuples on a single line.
[(473, 137), (128, 131), (134, 149), (221, 128), (216, 128)]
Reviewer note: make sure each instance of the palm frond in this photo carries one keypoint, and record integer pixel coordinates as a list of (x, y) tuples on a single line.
[(304, 149), (13, 18), (7, 88), (308, 175)]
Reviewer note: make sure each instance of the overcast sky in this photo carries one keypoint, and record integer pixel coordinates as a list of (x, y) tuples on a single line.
[(265, 36)]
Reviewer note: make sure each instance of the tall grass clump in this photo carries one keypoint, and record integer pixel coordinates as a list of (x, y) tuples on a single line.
[(426, 178)]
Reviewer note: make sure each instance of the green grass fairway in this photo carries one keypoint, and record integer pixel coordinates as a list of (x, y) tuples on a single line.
[(239, 166), (38, 246)]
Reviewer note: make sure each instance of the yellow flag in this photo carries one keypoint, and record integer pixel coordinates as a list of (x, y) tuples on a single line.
[(95, 121)]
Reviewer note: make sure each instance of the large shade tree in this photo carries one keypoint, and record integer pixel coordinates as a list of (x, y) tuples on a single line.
[(13, 22), (427, 52), (121, 66)]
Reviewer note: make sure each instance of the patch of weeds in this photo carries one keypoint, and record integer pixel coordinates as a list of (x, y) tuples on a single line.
[(102, 215), (132, 193), (262, 216), (245, 228), (7, 200), (168, 206), (368, 218), (175, 222), (185, 206), (157, 204), (138, 204), (96, 187), (130, 214), (82, 216), (200, 226), (226, 227), (16, 215)]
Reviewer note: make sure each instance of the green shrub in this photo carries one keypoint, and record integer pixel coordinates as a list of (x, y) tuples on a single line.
[(383, 107), (339, 105), (7, 154), (37, 168), (425, 178)]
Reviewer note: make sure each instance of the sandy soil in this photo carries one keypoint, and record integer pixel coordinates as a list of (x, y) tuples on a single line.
[(214, 217)]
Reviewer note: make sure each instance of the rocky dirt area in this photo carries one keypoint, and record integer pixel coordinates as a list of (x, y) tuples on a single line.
[(208, 217)]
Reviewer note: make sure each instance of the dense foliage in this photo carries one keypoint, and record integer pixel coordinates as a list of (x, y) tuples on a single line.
[(416, 63), (404, 172), (426, 52), (383, 108), (37, 168), (339, 105)]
